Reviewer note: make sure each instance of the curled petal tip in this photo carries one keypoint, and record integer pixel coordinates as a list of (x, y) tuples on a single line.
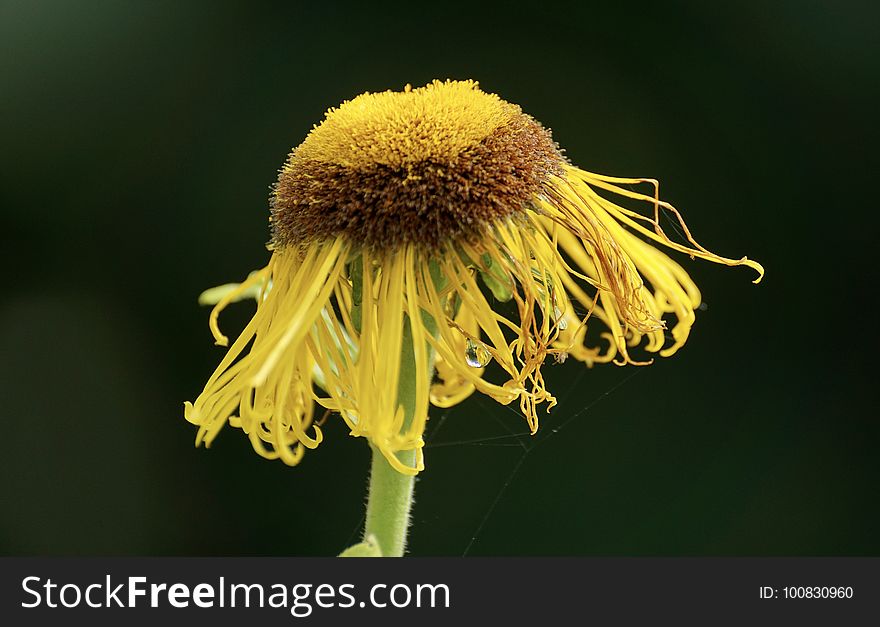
[(754, 265), (189, 412)]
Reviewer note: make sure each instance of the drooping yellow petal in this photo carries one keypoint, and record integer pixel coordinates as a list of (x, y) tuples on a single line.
[(440, 224)]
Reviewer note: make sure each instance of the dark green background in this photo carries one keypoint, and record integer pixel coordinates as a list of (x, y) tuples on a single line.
[(138, 142)]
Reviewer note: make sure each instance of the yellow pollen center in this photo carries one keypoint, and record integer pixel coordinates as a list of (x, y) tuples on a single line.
[(434, 123), (442, 162)]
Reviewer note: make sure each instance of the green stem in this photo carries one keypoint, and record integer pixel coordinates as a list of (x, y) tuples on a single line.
[(390, 492), (388, 505)]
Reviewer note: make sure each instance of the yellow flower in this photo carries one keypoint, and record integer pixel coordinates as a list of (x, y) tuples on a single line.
[(404, 221)]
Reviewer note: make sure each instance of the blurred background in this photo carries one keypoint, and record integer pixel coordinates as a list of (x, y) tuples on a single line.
[(138, 142)]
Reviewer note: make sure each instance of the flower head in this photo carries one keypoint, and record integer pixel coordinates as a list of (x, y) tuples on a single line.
[(402, 225)]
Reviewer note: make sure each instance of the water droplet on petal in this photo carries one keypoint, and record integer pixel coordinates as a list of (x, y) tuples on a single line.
[(476, 354)]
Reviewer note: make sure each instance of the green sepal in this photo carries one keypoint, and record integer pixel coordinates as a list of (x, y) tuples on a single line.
[(356, 274), (368, 548), (495, 279)]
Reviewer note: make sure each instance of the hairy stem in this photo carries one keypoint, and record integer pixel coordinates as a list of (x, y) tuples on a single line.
[(390, 492)]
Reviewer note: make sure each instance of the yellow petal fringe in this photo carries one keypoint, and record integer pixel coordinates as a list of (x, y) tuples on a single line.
[(576, 258)]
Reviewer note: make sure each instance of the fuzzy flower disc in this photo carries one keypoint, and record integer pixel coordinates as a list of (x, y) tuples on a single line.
[(428, 165)]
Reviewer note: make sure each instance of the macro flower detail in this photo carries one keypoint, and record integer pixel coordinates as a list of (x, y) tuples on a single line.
[(439, 235)]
